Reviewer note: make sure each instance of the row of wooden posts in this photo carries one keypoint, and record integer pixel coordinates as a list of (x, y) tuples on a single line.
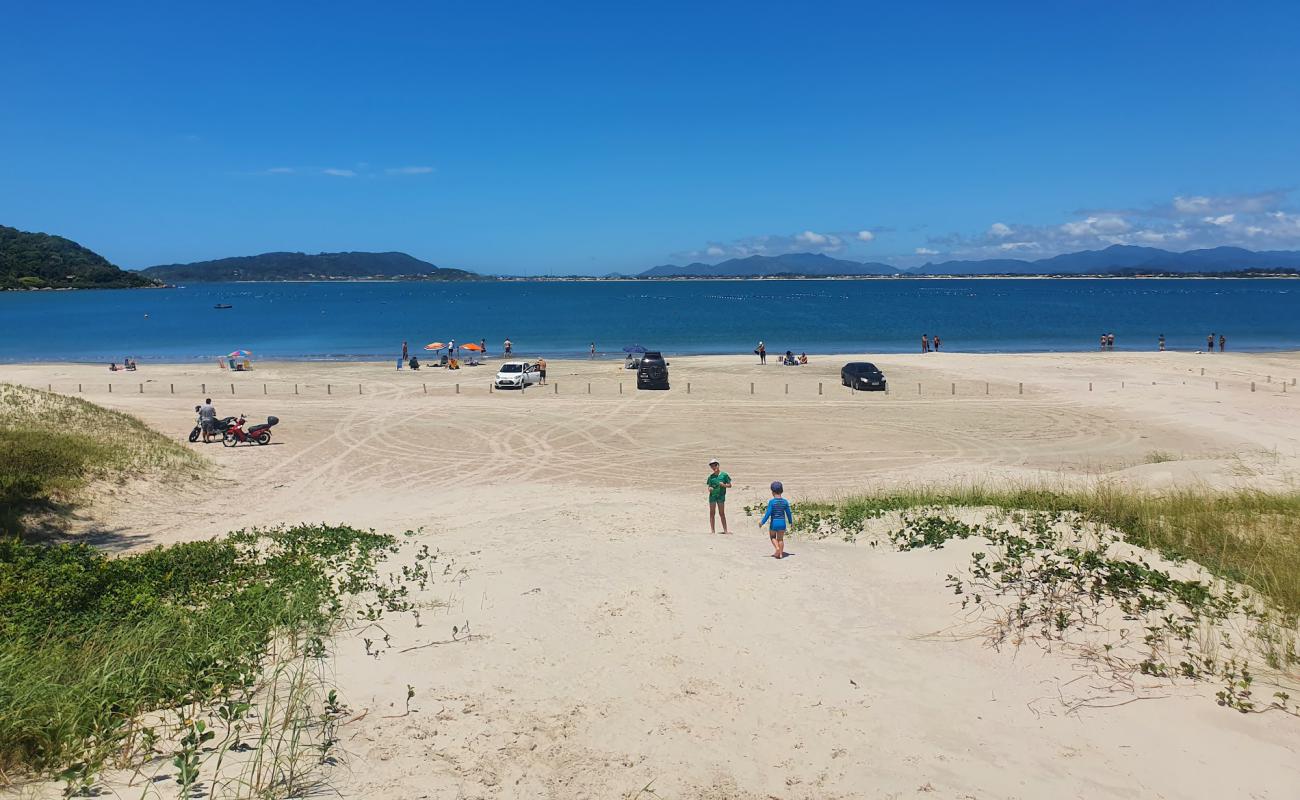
[(329, 387)]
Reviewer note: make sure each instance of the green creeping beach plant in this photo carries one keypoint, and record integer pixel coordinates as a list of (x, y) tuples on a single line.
[(1058, 577), (200, 650)]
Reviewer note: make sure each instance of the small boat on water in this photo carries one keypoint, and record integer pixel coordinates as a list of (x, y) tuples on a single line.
[(223, 305)]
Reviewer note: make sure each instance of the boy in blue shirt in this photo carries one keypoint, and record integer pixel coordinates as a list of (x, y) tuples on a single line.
[(778, 511)]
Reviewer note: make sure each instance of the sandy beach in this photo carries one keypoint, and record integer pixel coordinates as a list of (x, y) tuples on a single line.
[(616, 644)]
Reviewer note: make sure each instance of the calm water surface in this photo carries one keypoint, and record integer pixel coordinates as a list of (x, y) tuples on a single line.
[(370, 320)]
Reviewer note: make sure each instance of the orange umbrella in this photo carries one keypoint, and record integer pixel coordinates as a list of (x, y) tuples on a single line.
[(470, 346), (434, 346)]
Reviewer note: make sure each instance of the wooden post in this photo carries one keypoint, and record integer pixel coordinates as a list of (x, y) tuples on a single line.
[(954, 389), (787, 388), (49, 387), (918, 388), (1252, 386), (819, 388), (986, 387), (329, 389), (142, 388), (1202, 372), (458, 388), (588, 387), (620, 387), (751, 387), (110, 388), (1270, 378), (358, 388), (78, 388), (173, 388), (1022, 387), (557, 388), (203, 388), (688, 387), (264, 388), (295, 388), (232, 388), (1216, 385), (426, 388), (1090, 386)]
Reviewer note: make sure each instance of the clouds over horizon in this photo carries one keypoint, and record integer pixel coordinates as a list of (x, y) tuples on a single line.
[(1259, 221)]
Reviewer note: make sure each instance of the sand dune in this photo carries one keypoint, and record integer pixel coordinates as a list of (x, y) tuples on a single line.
[(617, 644)]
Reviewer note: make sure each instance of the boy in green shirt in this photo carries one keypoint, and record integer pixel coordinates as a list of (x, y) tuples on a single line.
[(719, 482)]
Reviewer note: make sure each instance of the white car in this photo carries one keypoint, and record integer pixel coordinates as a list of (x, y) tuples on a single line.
[(517, 375)]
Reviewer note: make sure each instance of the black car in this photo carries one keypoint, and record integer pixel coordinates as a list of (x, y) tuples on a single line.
[(653, 372), (863, 376)]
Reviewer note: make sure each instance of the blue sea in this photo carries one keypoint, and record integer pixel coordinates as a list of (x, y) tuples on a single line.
[(370, 320)]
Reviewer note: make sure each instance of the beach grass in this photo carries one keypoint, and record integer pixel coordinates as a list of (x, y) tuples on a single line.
[(56, 446), (1247, 536), (91, 645)]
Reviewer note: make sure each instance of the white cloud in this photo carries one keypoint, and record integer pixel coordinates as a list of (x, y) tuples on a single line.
[(1191, 205), (1006, 246), (925, 251), (1096, 226), (1225, 219), (808, 237), (715, 251), (339, 173), (409, 170), (1000, 230), (865, 236)]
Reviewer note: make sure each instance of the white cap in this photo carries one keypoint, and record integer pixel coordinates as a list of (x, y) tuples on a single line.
[(713, 461)]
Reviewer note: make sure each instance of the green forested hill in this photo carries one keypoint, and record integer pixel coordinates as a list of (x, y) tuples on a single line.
[(41, 261), (307, 266)]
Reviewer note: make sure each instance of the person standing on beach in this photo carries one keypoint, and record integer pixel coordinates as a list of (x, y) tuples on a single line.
[(406, 354), (208, 419), (541, 370), (482, 345), (1222, 342), (761, 350), (936, 343), (509, 346), (1209, 343), (1162, 342), (593, 350), (1110, 341), (718, 482), (778, 511), (925, 343)]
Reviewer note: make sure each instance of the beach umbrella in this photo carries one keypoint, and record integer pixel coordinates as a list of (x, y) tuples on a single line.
[(634, 348), (239, 354), (470, 346), (434, 346)]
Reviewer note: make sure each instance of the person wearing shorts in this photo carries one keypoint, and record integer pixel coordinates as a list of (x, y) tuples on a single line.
[(778, 511), (718, 482), (541, 371)]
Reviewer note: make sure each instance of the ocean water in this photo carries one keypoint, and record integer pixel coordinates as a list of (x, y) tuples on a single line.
[(370, 320)]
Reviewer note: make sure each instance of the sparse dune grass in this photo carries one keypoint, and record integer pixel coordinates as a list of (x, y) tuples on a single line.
[(1250, 537), (55, 446)]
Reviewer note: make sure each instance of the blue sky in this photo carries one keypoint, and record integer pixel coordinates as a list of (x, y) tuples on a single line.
[(589, 138)]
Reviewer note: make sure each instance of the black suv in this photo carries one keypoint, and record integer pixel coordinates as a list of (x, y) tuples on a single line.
[(653, 372), (863, 376)]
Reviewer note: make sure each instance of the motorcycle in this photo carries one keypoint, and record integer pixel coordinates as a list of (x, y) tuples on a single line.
[(258, 434), (218, 426)]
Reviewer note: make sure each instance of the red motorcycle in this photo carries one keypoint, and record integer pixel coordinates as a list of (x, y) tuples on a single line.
[(258, 434)]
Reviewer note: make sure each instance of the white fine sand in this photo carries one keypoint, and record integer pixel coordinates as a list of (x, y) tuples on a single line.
[(615, 643)]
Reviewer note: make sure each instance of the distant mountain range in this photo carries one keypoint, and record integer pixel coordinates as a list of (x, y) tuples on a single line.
[(41, 261), (1114, 260), (307, 267)]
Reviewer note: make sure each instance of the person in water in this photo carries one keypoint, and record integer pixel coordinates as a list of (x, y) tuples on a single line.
[(718, 482), (778, 511)]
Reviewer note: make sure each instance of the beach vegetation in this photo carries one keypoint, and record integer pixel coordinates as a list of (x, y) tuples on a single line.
[(57, 446), (183, 656)]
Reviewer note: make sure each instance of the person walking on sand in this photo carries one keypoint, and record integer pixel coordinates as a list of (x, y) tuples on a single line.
[(761, 350), (778, 511), (509, 347), (1222, 342), (541, 370), (718, 482)]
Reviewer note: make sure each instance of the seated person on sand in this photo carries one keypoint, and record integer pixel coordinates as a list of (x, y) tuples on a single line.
[(789, 359), (453, 364), (414, 363), (803, 358), (112, 367)]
